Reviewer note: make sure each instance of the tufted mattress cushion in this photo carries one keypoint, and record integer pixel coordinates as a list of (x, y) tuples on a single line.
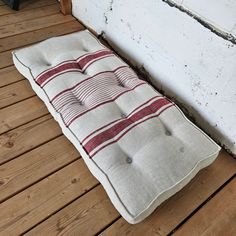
[(136, 142)]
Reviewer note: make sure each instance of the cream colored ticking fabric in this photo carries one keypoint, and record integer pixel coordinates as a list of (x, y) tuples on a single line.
[(137, 143)]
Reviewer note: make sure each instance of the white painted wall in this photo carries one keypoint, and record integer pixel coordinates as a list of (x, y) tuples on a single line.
[(185, 59), (220, 13)]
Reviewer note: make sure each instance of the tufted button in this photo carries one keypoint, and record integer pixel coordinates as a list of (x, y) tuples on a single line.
[(81, 103), (129, 160), (123, 115), (122, 85), (168, 133), (181, 149), (48, 64), (85, 49)]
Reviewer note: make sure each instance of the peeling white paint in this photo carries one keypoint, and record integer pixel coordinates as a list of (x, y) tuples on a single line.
[(185, 59)]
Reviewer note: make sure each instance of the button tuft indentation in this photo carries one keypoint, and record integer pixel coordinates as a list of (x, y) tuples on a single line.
[(121, 85), (168, 133), (129, 160), (123, 115)]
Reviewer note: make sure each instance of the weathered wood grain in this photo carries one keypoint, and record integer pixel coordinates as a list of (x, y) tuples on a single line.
[(34, 24), (21, 16), (15, 92), (21, 113), (27, 137), (9, 75), (85, 216), (217, 217), (31, 37), (35, 165), (39, 201), (66, 7)]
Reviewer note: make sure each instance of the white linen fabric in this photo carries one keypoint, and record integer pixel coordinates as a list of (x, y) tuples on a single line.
[(136, 142)]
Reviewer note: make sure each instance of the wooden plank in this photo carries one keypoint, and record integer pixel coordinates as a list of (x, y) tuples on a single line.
[(217, 217), (20, 40), (173, 211), (28, 15), (5, 59), (4, 10), (21, 113), (9, 75), (33, 24), (6, 56), (27, 137), (30, 4), (39, 201), (33, 166), (26, 5), (15, 92), (66, 6), (85, 216)]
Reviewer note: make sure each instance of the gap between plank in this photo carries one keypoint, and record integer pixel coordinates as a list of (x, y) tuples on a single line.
[(55, 212), (24, 10), (25, 123), (33, 17), (11, 82), (37, 181), (42, 27), (17, 101), (202, 204), (36, 146), (107, 226), (9, 49)]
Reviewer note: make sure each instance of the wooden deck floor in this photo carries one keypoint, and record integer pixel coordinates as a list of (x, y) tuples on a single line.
[(45, 187)]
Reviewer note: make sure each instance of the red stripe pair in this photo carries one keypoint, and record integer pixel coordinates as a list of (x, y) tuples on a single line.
[(114, 133)]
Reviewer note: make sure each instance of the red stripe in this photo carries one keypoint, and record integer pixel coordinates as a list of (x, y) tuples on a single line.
[(117, 128), (88, 59), (63, 103), (79, 64), (117, 139), (73, 70), (109, 101), (69, 66), (76, 85), (95, 131), (51, 68)]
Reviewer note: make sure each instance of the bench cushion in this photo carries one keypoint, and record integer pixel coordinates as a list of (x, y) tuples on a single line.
[(135, 141)]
